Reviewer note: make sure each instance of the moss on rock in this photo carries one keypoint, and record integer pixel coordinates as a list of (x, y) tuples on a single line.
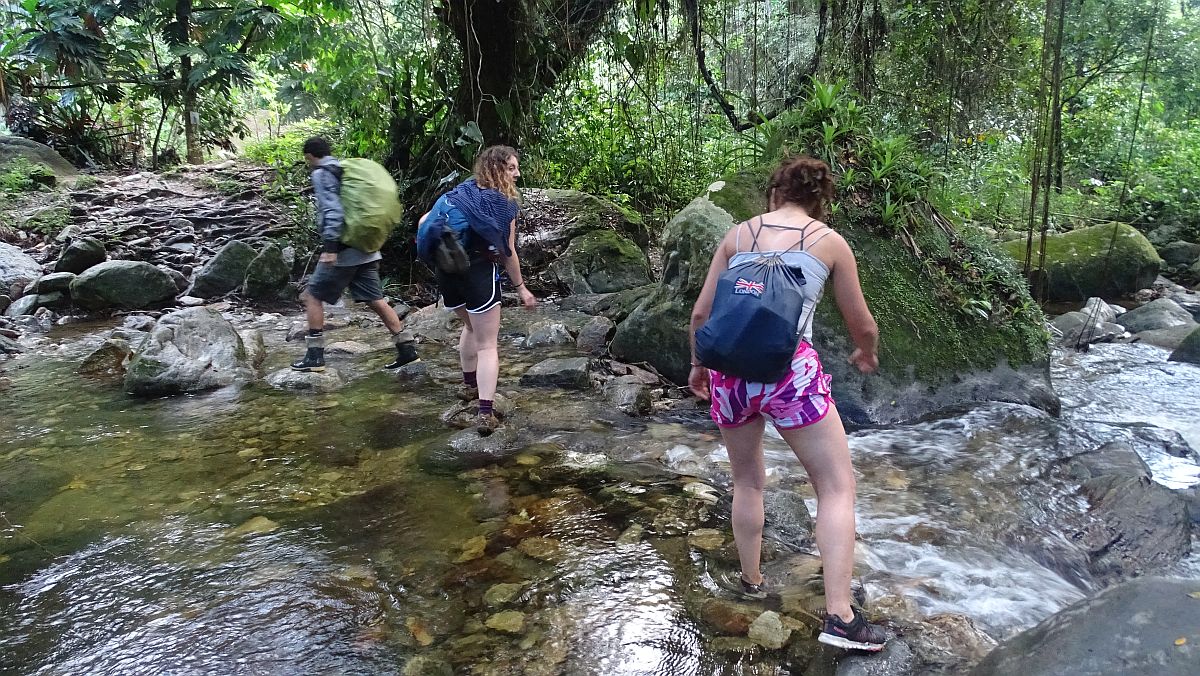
[(1108, 261), (601, 262)]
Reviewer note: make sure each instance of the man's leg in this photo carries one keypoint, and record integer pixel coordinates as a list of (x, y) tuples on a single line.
[(406, 342), (314, 342)]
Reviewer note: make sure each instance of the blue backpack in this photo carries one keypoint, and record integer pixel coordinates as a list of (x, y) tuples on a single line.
[(443, 238), (754, 327)]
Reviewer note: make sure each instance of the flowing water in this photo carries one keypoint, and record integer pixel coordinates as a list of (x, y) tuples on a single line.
[(262, 532)]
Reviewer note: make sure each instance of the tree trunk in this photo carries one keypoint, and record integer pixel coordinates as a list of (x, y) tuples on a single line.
[(183, 21), (511, 53)]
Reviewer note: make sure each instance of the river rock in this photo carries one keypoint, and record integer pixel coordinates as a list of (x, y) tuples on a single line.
[(1189, 349), (768, 631), (16, 265), (1102, 311), (896, 659), (9, 346), (1169, 339), (129, 285), (81, 254), (594, 335), (1180, 252), (58, 282), (25, 305), (657, 329), (1131, 628), (629, 395), (787, 519), (466, 450), (267, 275), (547, 334), (434, 323), (1108, 260), (1082, 328), (601, 262), (223, 273), (256, 347), (5, 301), (107, 361), (290, 379), (181, 282), (509, 622), (503, 593), (728, 617), (570, 372), (1135, 526), (1162, 313), (188, 350)]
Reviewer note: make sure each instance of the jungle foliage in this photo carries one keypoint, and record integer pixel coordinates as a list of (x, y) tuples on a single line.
[(646, 101)]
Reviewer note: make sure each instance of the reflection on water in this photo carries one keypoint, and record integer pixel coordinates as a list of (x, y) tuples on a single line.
[(260, 532)]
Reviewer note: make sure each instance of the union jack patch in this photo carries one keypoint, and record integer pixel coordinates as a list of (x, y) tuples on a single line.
[(747, 287)]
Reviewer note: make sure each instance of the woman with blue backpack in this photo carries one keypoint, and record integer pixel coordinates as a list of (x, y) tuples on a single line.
[(467, 236), (752, 355)]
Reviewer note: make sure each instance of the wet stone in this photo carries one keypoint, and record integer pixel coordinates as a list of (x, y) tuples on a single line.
[(255, 526), (501, 594), (571, 373), (287, 379), (543, 549), (728, 617), (350, 347), (768, 631), (706, 539), (509, 622)]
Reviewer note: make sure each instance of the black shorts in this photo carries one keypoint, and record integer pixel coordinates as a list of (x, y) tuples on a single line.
[(477, 290), (328, 282)]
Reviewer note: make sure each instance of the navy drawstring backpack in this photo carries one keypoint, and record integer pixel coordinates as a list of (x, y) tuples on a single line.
[(754, 327)]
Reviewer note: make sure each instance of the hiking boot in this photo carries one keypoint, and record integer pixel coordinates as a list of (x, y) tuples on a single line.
[(857, 634), (314, 356), (406, 353), (753, 591), (467, 393), (486, 423)]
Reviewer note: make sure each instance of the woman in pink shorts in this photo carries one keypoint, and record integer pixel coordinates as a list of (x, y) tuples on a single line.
[(799, 404)]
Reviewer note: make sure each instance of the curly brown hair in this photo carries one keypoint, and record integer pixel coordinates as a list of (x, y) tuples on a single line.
[(491, 170), (804, 181)]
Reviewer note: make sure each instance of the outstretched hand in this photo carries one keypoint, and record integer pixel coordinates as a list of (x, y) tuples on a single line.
[(865, 362), (528, 300), (698, 382)]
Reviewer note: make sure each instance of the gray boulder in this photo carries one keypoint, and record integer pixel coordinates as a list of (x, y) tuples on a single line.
[(81, 254), (593, 336), (128, 285), (1103, 311), (547, 334), (12, 147), (1127, 629), (657, 329), (1162, 313), (16, 265), (57, 282), (108, 361), (1169, 339), (1134, 526), (181, 282), (1189, 350), (267, 275), (25, 305), (601, 262), (225, 272), (1081, 328), (629, 395), (1180, 252), (570, 373), (188, 350), (466, 450)]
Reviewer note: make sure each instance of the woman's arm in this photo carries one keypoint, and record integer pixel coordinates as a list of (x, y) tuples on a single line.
[(698, 378), (847, 290), (512, 265)]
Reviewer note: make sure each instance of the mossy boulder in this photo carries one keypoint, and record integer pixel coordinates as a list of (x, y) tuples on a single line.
[(601, 262), (225, 272), (188, 350), (13, 147), (657, 330), (267, 275), (937, 348), (1189, 349), (552, 218), (1110, 261), (126, 285), (81, 254)]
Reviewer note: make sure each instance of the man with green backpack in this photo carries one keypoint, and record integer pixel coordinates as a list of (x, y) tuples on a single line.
[(357, 208)]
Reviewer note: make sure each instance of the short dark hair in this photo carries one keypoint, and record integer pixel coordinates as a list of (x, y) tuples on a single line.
[(317, 147)]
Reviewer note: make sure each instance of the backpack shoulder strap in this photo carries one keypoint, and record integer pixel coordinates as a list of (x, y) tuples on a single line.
[(803, 233), (761, 225)]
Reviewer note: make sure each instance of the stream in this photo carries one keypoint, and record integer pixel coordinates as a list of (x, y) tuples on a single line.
[(264, 532)]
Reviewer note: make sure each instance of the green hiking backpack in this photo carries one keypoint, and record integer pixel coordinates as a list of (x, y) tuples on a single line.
[(369, 199)]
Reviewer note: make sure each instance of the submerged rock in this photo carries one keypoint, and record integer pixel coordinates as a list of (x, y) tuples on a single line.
[(289, 379), (107, 361), (1145, 626)]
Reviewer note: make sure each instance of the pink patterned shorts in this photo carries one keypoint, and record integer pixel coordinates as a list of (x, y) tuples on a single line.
[(800, 398)]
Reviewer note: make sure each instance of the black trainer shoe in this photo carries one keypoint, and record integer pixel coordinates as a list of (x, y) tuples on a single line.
[(753, 591), (735, 584), (314, 361), (406, 353), (858, 634)]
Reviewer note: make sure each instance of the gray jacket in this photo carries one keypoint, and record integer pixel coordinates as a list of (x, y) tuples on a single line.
[(331, 217)]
